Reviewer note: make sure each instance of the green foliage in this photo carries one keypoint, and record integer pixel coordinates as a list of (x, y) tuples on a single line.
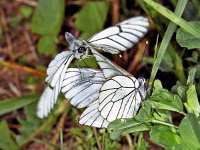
[(165, 136), (47, 20), (6, 139), (85, 20), (186, 39), (30, 125), (10, 105), (163, 99), (47, 44), (155, 116), (26, 11), (189, 131), (48, 17)]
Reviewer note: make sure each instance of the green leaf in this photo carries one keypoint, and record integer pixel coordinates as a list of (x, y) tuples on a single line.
[(48, 17), (10, 105), (180, 90), (121, 127), (164, 136), (6, 140), (163, 99), (192, 101), (157, 85), (26, 11), (191, 76), (91, 18), (186, 39), (47, 45), (189, 131), (163, 115)]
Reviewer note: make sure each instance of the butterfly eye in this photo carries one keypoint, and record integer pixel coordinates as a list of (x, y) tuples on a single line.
[(81, 49)]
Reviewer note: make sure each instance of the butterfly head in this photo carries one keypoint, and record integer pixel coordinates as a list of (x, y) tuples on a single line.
[(78, 46), (142, 87)]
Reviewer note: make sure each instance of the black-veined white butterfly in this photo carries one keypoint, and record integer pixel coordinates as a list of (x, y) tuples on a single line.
[(80, 86), (119, 97), (113, 40)]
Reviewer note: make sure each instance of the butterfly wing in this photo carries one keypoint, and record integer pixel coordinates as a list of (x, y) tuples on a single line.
[(119, 98), (92, 117), (122, 36), (57, 68), (109, 69), (80, 86)]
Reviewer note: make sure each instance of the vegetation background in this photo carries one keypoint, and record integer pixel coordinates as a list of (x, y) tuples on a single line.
[(32, 33)]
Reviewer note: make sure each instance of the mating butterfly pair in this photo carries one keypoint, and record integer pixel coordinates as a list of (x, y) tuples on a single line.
[(107, 94)]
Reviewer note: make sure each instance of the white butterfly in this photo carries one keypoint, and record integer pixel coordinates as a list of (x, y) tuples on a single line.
[(80, 86), (119, 97), (113, 40)]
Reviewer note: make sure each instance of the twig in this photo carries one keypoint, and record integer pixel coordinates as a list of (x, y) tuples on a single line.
[(60, 125), (103, 139), (115, 11), (7, 36), (115, 19), (28, 2), (22, 68), (29, 41)]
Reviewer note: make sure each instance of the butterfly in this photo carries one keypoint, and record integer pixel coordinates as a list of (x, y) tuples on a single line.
[(114, 39), (80, 86), (119, 96)]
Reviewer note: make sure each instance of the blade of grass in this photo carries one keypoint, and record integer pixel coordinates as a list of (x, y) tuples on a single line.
[(166, 39), (61, 139), (174, 17), (13, 104)]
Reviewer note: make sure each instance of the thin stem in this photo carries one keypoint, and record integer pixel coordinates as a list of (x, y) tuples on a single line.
[(96, 137), (103, 140), (130, 143), (140, 137), (61, 139), (163, 123)]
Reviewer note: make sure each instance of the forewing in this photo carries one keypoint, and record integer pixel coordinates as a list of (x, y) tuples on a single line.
[(119, 98), (81, 86), (122, 36), (58, 67), (92, 117), (109, 68)]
